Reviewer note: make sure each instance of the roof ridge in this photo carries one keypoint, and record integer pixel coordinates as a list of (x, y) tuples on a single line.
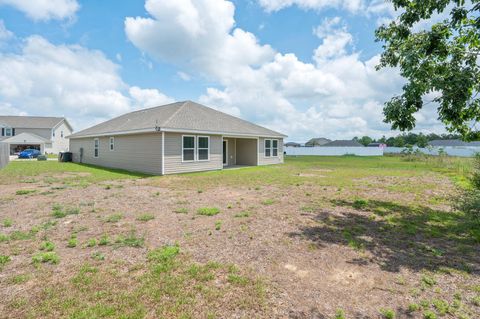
[(175, 113)]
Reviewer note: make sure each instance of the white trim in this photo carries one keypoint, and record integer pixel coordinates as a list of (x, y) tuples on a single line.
[(198, 149), (163, 153), (96, 148), (258, 151), (194, 149), (149, 130), (226, 156), (111, 142)]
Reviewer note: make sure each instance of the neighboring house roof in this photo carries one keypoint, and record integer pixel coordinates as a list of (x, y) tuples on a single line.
[(319, 141), (184, 116), (32, 121), (446, 143), (343, 143), (26, 138), (292, 144)]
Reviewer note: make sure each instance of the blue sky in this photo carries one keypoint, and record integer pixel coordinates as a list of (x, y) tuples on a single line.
[(302, 67)]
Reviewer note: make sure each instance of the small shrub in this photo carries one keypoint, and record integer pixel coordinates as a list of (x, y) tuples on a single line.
[(50, 257), (58, 211), (441, 306), (428, 281), (104, 240), (7, 222), (115, 218), (72, 242), (47, 246), (4, 260), (340, 314), (413, 307), (218, 225), (360, 204), (208, 211), (181, 210), (145, 217), (428, 314), (388, 313), (25, 191), (92, 242), (237, 279), (268, 202), (243, 214), (98, 256)]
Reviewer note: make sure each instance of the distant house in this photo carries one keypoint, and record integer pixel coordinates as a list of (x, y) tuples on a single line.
[(47, 134), (453, 143), (343, 143), (176, 138), (292, 144), (319, 141), (375, 144)]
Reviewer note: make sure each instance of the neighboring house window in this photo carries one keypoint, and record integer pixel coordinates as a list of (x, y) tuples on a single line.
[(61, 134), (96, 147), (188, 148), (271, 148), (203, 148), (53, 133), (8, 131), (112, 143)]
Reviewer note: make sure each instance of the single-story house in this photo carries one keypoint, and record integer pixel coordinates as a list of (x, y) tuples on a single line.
[(317, 141), (46, 134), (176, 138), (292, 144), (343, 143)]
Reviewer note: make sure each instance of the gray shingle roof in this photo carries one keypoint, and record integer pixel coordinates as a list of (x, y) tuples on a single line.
[(318, 141), (187, 115), (343, 143), (30, 121)]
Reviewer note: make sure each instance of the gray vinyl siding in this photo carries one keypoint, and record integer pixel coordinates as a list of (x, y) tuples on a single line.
[(232, 146), (246, 152), (262, 160), (173, 155), (138, 153)]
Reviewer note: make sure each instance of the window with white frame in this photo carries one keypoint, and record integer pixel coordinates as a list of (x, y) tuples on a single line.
[(112, 143), (188, 148), (271, 148), (8, 131), (203, 148), (96, 143)]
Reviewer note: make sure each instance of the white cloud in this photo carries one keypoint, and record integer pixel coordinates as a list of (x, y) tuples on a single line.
[(184, 76), (276, 5), (148, 97), (45, 9), (5, 34), (68, 80), (339, 96)]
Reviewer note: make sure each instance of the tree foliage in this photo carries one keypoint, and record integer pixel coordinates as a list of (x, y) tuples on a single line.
[(441, 61)]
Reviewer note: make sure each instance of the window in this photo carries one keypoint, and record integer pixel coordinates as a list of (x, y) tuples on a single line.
[(203, 148), (268, 148), (271, 148), (112, 143), (61, 134), (188, 148), (8, 131), (96, 147), (53, 133)]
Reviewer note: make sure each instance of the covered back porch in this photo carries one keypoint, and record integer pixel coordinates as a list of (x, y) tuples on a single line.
[(239, 151)]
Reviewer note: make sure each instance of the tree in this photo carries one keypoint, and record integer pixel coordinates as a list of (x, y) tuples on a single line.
[(399, 141), (441, 60), (422, 140), (365, 140)]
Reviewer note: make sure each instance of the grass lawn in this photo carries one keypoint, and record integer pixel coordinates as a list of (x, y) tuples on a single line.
[(317, 237)]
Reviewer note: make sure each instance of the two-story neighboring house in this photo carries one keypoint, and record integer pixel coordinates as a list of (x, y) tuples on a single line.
[(47, 134)]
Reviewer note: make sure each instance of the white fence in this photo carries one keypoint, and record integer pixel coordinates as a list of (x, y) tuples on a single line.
[(462, 151), (4, 154), (334, 151)]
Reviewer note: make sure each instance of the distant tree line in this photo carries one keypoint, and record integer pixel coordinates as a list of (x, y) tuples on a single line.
[(402, 140)]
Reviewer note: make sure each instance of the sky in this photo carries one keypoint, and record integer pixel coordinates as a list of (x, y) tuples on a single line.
[(305, 68)]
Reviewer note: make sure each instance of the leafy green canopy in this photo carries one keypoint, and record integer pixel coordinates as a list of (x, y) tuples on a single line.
[(442, 60)]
